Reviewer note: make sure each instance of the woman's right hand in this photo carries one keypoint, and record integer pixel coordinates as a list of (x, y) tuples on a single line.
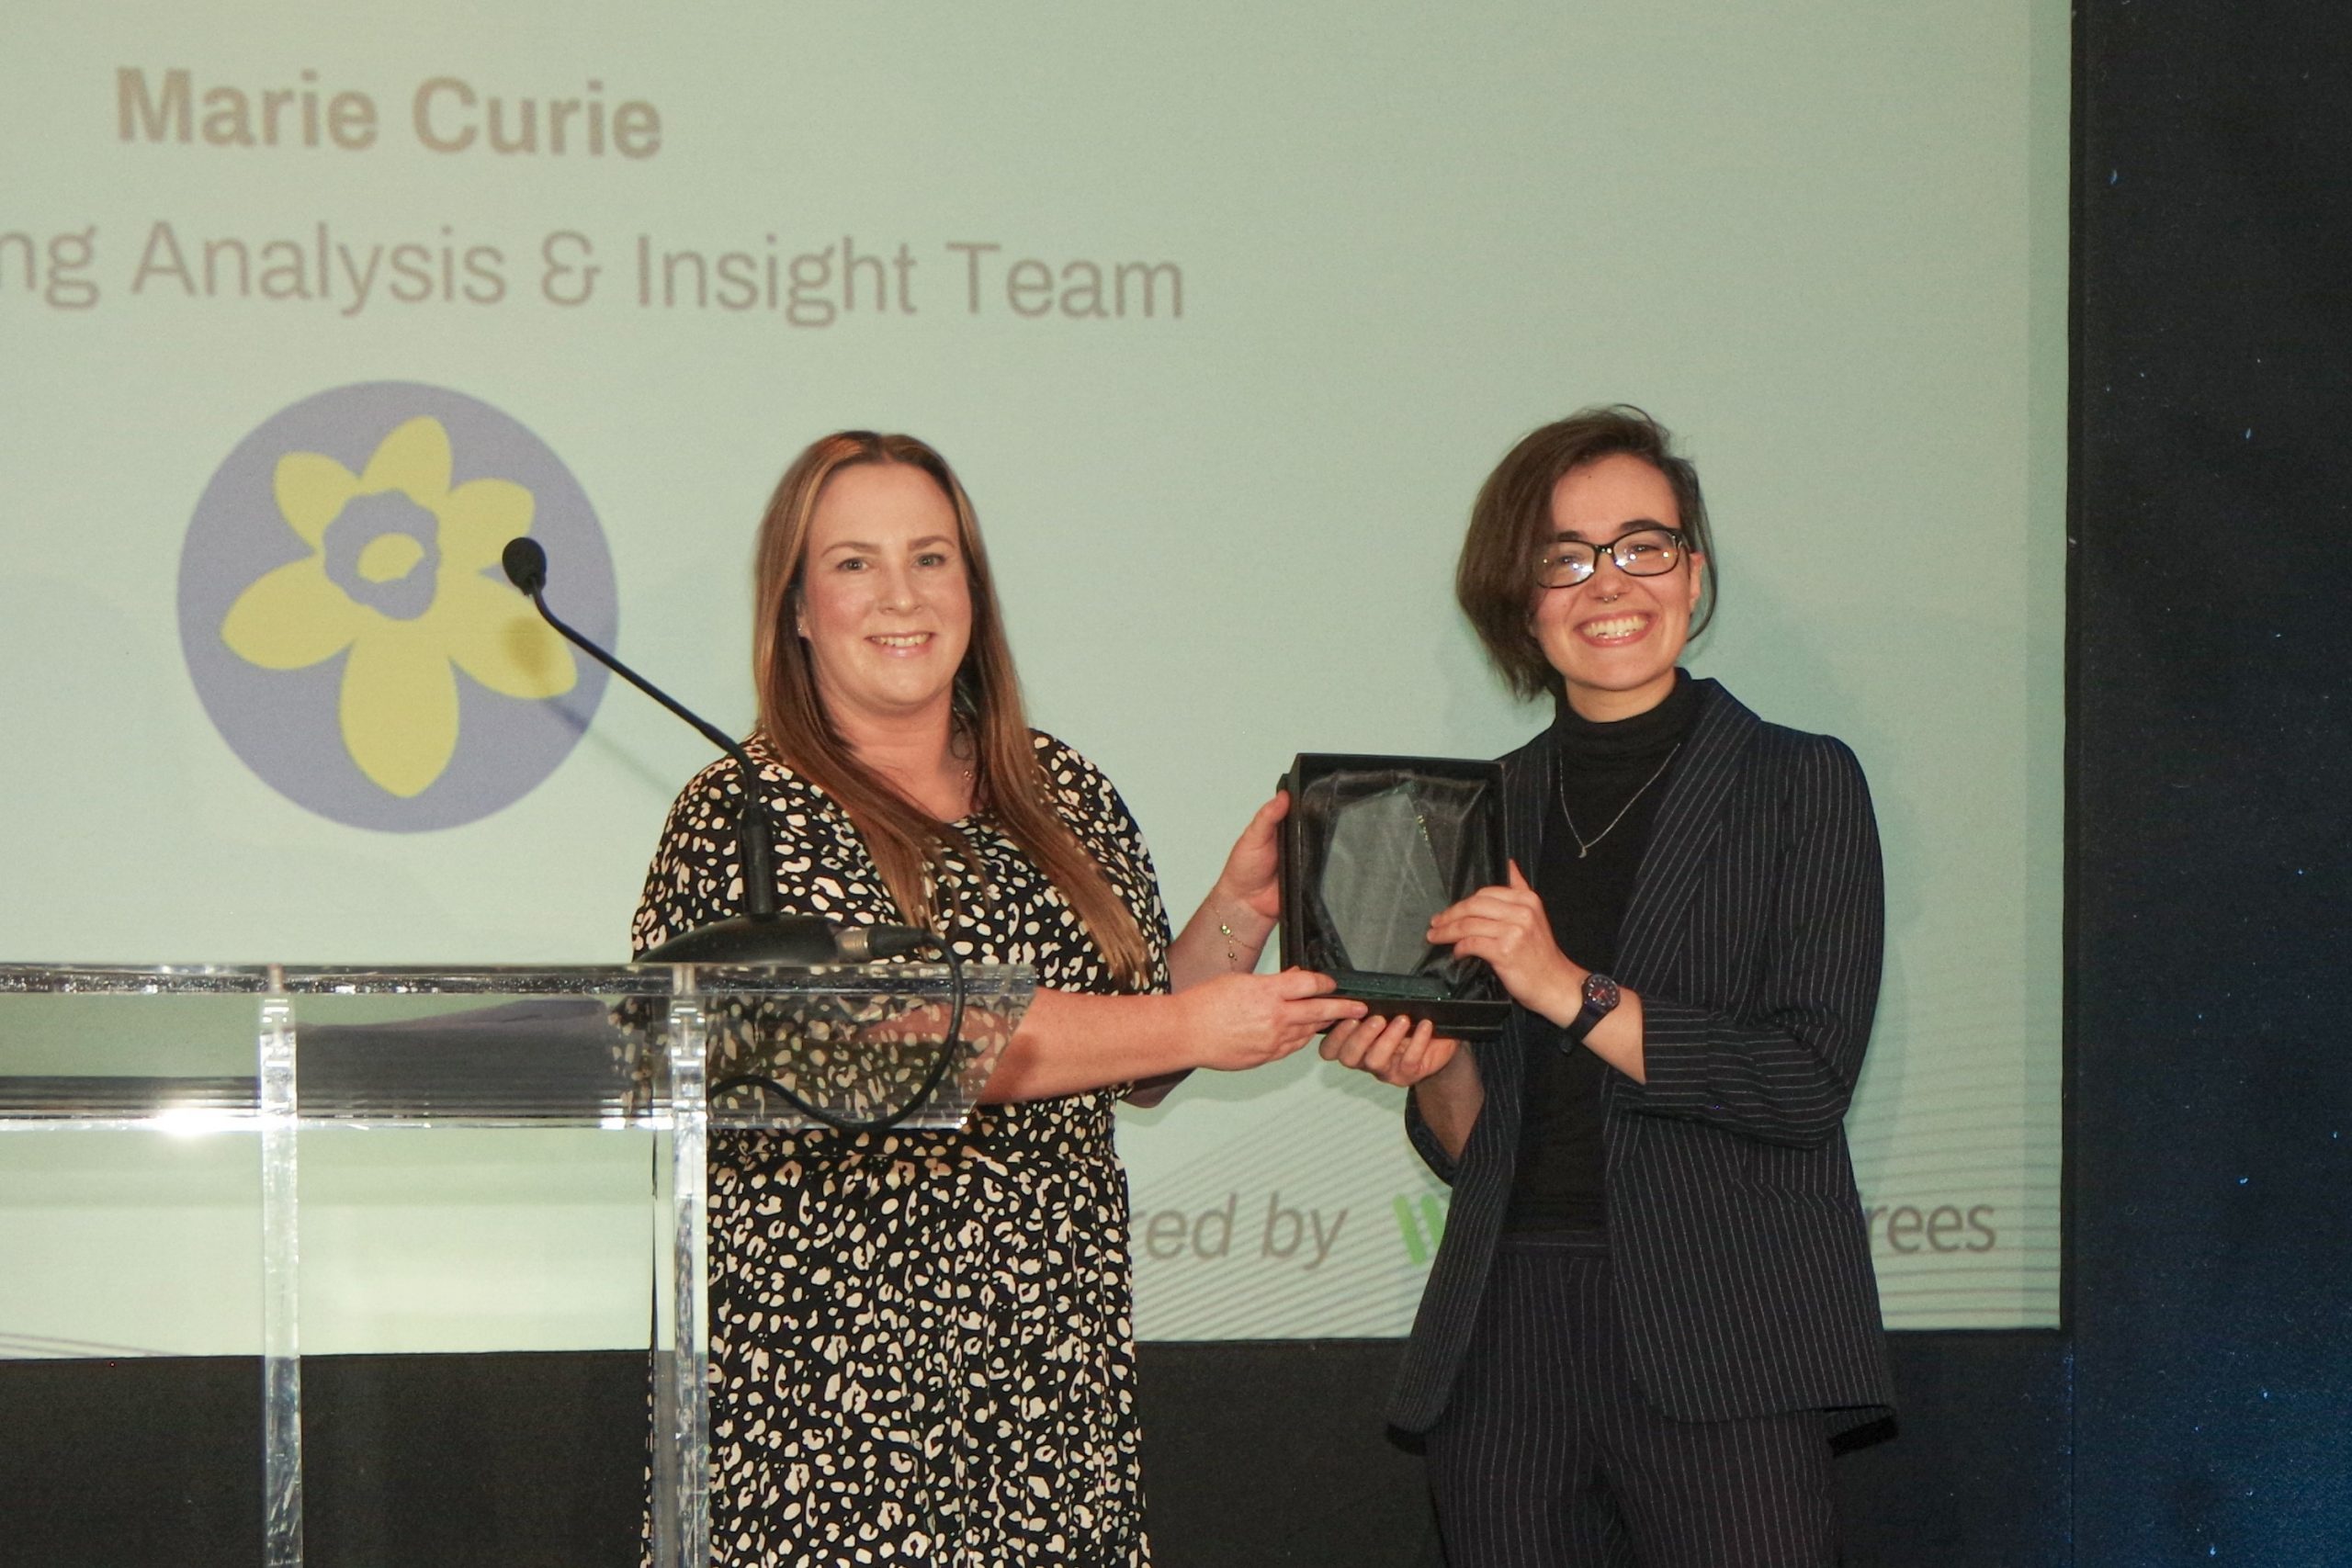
[(1394, 1050), (1245, 1021)]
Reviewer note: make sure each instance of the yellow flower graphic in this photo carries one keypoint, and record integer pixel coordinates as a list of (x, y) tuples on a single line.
[(400, 585)]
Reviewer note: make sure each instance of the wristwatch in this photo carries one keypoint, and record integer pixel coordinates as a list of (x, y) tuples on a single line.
[(1600, 999)]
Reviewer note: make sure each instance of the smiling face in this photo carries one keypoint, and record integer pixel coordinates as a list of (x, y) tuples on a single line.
[(1614, 639), (885, 603)]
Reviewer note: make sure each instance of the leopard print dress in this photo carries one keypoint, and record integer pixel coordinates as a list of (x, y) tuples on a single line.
[(921, 1343)]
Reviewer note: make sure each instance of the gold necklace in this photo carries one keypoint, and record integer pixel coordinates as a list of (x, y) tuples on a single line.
[(970, 778), (1585, 845)]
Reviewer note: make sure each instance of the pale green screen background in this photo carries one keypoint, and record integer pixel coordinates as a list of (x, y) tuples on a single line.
[(1825, 242)]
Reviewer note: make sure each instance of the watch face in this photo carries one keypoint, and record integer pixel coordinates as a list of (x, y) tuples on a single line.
[(1599, 991)]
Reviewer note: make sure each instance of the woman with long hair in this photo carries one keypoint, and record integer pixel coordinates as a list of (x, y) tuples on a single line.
[(920, 1342), (1654, 1302)]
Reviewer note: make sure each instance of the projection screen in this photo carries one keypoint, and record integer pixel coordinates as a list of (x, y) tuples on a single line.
[(1222, 311)]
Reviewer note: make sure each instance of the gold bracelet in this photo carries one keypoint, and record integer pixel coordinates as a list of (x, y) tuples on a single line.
[(1232, 954)]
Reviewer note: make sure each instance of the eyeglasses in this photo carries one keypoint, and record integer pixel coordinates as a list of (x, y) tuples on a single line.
[(1638, 552)]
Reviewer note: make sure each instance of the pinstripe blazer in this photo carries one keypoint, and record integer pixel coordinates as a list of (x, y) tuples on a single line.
[(1740, 1260)]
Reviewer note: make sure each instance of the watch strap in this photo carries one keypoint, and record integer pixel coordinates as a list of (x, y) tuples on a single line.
[(1600, 994)]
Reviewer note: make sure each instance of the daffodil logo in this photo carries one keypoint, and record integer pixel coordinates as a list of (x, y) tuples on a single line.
[(346, 623)]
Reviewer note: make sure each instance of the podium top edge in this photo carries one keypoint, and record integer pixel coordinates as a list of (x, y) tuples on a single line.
[(513, 980)]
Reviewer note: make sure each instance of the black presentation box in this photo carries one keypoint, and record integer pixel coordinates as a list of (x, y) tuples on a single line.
[(1373, 848)]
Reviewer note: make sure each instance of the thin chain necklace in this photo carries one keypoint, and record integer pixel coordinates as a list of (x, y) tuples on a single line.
[(965, 767), (1585, 845)]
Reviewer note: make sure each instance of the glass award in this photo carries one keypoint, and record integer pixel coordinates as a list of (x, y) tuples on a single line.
[(1372, 849)]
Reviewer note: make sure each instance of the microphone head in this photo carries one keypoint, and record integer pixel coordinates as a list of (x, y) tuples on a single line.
[(525, 564), (788, 941)]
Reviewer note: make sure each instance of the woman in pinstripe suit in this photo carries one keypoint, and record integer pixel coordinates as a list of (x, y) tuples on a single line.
[(1654, 1302)]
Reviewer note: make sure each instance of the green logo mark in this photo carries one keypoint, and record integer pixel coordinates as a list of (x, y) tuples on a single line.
[(1422, 1227)]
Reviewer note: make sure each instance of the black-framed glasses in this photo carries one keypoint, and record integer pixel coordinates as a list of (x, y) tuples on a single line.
[(1638, 552)]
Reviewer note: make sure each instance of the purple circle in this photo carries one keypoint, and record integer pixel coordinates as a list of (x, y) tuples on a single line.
[(285, 723)]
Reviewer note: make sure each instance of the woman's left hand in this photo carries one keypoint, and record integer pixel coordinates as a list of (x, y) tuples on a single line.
[(1508, 927), (1229, 931), (1252, 873)]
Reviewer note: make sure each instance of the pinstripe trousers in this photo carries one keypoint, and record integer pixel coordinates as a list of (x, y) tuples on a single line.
[(1548, 1455)]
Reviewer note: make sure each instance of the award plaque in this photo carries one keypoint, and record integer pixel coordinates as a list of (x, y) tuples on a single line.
[(1372, 849)]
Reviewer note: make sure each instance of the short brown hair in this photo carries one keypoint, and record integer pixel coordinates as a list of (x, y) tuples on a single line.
[(1512, 522)]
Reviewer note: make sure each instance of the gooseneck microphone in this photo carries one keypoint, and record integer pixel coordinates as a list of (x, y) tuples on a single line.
[(759, 935)]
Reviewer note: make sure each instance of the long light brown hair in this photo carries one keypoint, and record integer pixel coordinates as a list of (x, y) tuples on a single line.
[(907, 843)]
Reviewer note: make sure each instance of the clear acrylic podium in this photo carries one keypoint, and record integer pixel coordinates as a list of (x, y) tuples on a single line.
[(271, 1051)]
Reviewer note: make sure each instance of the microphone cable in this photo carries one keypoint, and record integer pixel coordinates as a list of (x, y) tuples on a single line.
[(949, 1046)]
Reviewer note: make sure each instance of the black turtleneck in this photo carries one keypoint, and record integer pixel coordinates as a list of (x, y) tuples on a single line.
[(1599, 770)]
